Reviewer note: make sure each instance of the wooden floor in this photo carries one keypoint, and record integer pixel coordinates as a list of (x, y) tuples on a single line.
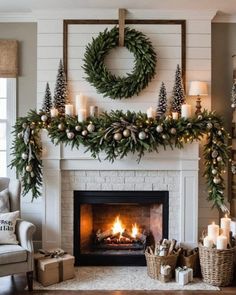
[(16, 285)]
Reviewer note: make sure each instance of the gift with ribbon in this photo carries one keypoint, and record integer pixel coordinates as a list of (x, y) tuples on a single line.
[(53, 266), (183, 275)]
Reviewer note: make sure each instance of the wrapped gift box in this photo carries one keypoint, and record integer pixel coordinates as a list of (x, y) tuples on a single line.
[(183, 275), (50, 271)]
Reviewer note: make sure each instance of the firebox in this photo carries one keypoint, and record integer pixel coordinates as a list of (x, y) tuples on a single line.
[(115, 227)]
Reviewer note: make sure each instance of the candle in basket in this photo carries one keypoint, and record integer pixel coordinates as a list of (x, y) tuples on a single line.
[(221, 243), (207, 242), (213, 231), (225, 226), (233, 227)]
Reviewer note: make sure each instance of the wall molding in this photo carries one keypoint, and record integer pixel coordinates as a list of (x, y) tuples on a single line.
[(15, 17)]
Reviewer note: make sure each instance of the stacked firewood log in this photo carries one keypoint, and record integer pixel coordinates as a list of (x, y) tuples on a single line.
[(165, 248)]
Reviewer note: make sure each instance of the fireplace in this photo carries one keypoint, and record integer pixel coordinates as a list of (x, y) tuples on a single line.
[(114, 227)]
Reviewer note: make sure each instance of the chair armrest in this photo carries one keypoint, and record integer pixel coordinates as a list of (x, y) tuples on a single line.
[(24, 233)]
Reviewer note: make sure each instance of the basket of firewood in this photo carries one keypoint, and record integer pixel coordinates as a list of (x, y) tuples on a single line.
[(162, 254)]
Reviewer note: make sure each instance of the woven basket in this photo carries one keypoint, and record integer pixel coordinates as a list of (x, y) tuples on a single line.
[(154, 263), (191, 261), (217, 266)]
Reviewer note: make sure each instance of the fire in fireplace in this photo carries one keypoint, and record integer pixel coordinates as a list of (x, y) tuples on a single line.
[(120, 237), (114, 227)]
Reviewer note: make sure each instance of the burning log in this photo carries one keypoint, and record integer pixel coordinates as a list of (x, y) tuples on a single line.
[(103, 235), (127, 234), (141, 237)]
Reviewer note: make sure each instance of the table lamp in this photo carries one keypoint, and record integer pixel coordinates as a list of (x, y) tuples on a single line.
[(198, 88)]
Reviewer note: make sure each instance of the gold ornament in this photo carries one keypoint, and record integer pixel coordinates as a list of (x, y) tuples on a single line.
[(61, 126), (70, 135), (214, 171), (173, 131), (84, 133), (126, 133), (219, 159), (216, 180), (91, 128), (44, 118), (117, 136), (28, 168), (78, 128)]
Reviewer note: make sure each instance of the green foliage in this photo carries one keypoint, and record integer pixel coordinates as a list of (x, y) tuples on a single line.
[(103, 80), (178, 95), (118, 134)]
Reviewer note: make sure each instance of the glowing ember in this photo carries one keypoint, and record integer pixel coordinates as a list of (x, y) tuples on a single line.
[(117, 227), (134, 230)]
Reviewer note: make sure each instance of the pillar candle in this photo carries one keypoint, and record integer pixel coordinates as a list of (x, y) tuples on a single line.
[(225, 225), (175, 115), (213, 231), (233, 227), (80, 102), (186, 111), (54, 112), (221, 243), (82, 115), (150, 112), (69, 109), (207, 242), (93, 111)]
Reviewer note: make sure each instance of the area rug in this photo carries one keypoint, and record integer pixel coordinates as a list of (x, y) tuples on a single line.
[(119, 278)]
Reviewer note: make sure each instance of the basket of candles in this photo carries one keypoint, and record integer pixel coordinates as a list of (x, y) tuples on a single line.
[(217, 254)]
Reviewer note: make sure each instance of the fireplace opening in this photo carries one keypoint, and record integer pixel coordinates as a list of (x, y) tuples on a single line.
[(114, 227)]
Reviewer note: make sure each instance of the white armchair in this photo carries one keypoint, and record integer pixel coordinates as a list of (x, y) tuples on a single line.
[(17, 258)]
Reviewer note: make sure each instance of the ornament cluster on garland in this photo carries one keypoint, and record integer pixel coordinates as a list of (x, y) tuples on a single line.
[(118, 134), (103, 80)]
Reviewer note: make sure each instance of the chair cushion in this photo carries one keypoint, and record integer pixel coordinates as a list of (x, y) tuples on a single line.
[(4, 201), (12, 254)]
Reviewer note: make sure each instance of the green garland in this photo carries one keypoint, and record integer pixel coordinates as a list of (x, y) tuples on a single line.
[(103, 80), (117, 134)]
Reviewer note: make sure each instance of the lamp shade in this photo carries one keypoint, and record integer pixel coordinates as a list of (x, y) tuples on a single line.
[(198, 88)]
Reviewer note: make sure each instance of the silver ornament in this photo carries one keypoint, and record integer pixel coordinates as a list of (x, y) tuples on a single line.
[(20, 135), (159, 129), (61, 126), (28, 168), (216, 180), (209, 126), (214, 154), (219, 132), (70, 135), (173, 131), (126, 133), (78, 128), (214, 171), (84, 133), (142, 135), (199, 117), (189, 125), (24, 156), (117, 136), (164, 136), (219, 159), (44, 118), (91, 128)]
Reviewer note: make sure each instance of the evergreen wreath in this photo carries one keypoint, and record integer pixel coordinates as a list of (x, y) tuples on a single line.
[(118, 134), (107, 83)]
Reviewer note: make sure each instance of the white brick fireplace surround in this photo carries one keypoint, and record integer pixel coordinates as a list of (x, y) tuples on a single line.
[(66, 170)]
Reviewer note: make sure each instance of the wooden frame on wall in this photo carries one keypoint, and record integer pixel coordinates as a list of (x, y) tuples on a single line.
[(182, 23)]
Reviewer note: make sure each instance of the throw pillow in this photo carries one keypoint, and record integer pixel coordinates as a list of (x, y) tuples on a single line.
[(4, 201), (7, 227)]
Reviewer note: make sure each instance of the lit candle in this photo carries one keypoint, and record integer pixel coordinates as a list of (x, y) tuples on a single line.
[(213, 231), (225, 226), (54, 112), (82, 115), (93, 111), (207, 242), (69, 109), (221, 243), (186, 111), (80, 102), (175, 115), (150, 112)]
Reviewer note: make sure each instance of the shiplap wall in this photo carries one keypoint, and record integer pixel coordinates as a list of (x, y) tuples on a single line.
[(167, 41)]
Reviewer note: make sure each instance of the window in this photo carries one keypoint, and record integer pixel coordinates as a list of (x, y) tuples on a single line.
[(7, 119)]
